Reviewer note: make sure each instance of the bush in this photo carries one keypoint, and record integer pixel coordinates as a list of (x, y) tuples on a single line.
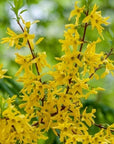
[(52, 101)]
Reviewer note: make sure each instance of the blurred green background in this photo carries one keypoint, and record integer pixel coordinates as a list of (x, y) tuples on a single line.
[(53, 15)]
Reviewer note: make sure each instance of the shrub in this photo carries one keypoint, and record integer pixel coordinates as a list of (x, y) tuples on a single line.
[(56, 103)]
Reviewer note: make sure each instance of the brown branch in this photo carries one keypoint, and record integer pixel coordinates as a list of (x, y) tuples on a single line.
[(20, 26), (100, 64), (33, 55), (94, 71), (63, 107), (83, 39), (81, 46), (109, 53), (70, 80), (37, 123), (102, 127)]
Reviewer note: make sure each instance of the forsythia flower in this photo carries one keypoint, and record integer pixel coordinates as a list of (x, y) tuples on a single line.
[(24, 61), (96, 20), (26, 37), (109, 68), (20, 40), (87, 117), (13, 40), (91, 58), (53, 99), (28, 24), (72, 39), (2, 72), (14, 125), (77, 11)]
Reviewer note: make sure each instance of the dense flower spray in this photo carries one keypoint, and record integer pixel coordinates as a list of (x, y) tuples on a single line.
[(56, 104)]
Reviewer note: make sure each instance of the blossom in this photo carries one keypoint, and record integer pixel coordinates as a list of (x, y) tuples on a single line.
[(28, 24), (92, 59), (55, 102), (72, 39), (96, 20), (2, 72), (25, 36), (13, 39), (20, 40), (24, 61), (109, 67), (88, 117), (77, 11), (39, 40), (15, 126)]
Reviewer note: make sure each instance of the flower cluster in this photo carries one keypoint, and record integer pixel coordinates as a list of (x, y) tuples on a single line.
[(57, 103), (2, 72)]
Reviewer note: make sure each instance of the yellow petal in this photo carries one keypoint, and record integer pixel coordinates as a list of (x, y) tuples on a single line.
[(39, 40), (36, 21)]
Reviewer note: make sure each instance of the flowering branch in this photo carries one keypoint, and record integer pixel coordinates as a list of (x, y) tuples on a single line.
[(100, 64), (57, 104), (102, 127), (85, 27), (33, 55)]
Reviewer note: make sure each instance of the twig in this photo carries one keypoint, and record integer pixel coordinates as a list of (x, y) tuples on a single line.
[(102, 127), (100, 64), (85, 28), (30, 49), (83, 41)]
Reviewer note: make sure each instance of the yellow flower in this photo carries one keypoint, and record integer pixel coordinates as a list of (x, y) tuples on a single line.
[(24, 61), (2, 72), (39, 40), (26, 37), (88, 117), (77, 11), (109, 67), (79, 86), (15, 126), (96, 20), (100, 137), (20, 40), (109, 134), (40, 60), (92, 59), (13, 40), (72, 39), (28, 24)]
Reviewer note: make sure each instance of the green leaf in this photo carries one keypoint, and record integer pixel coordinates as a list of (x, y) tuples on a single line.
[(11, 4), (23, 11), (3, 105), (51, 137), (5, 88), (111, 33), (87, 3), (17, 5)]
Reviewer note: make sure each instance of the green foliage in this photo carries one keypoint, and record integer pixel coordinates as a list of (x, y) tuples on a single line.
[(17, 6), (3, 105), (32, 1), (9, 87)]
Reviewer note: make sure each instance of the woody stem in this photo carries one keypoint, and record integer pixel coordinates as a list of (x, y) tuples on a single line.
[(102, 127), (33, 55), (81, 46), (100, 64), (83, 38)]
